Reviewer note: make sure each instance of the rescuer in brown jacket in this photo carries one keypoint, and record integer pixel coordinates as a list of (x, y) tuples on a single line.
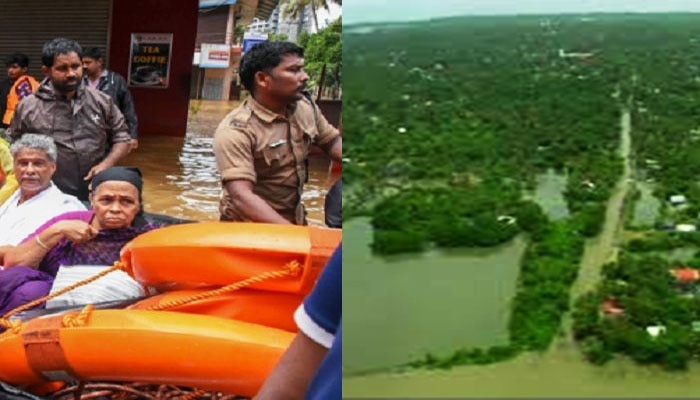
[(82, 121)]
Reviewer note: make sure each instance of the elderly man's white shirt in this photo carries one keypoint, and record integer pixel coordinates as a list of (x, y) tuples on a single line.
[(17, 221)]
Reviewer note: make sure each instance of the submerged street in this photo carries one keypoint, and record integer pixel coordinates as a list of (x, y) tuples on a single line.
[(180, 176)]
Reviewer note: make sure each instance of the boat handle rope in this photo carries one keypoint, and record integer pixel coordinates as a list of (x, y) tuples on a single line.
[(292, 269), (16, 326), (192, 396)]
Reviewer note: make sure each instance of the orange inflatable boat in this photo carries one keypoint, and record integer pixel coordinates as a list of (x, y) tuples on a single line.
[(205, 352), (209, 332), (275, 310), (216, 254)]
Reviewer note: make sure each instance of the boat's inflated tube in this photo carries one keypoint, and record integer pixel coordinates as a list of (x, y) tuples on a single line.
[(161, 347), (220, 253)]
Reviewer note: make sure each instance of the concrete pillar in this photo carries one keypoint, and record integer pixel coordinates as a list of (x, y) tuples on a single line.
[(228, 76)]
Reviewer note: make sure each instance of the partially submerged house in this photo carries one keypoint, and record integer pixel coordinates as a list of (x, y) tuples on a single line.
[(686, 280), (677, 200), (507, 219), (611, 308), (588, 184), (685, 275), (656, 330), (686, 228)]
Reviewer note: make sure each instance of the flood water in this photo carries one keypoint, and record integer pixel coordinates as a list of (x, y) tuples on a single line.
[(180, 176), (559, 372), (646, 208), (605, 247), (549, 194), (395, 309)]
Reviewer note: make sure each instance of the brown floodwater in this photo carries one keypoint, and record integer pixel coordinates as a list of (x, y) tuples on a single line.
[(180, 176)]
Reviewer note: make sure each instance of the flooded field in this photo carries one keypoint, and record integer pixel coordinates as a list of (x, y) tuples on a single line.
[(180, 177), (391, 321), (398, 308), (647, 207), (549, 194)]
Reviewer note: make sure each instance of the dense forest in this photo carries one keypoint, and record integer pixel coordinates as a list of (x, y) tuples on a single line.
[(479, 106), (449, 123)]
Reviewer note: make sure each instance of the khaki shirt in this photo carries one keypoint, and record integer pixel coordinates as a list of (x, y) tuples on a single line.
[(269, 149)]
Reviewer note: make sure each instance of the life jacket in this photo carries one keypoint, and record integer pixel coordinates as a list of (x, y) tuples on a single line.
[(13, 99)]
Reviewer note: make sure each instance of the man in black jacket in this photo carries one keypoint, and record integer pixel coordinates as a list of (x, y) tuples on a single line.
[(112, 84)]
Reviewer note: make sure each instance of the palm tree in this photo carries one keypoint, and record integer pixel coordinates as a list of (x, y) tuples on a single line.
[(295, 8)]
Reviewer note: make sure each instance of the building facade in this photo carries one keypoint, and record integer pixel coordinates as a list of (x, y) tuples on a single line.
[(286, 25), (218, 22), (25, 25)]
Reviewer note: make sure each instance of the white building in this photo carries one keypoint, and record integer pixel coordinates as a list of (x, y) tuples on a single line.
[(677, 199), (686, 228), (280, 25), (258, 26), (292, 27), (656, 330)]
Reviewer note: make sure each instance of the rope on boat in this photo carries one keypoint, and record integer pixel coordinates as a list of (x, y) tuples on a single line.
[(16, 326), (73, 320), (292, 269), (140, 391), (194, 395), (12, 326), (126, 391)]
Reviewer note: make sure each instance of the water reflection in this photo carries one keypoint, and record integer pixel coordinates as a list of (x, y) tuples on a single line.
[(180, 176)]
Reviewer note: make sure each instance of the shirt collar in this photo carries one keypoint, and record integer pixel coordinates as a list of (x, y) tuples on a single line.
[(92, 82), (78, 91), (265, 114)]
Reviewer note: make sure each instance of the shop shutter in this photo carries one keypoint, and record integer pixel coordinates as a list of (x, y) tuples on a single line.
[(25, 25)]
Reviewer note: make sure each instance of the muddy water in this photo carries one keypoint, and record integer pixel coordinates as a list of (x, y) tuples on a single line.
[(647, 207), (398, 308), (556, 375), (549, 194), (180, 177)]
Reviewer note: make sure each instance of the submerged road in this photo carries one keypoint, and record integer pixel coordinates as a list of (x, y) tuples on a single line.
[(605, 247)]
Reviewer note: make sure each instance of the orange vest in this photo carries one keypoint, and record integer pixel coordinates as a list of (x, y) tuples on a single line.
[(13, 98)]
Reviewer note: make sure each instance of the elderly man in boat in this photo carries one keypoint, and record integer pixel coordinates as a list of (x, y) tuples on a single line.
[(83, 241), (37, 199)]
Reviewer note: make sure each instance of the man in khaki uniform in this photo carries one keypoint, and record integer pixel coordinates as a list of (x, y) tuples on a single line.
[(260, 147)]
